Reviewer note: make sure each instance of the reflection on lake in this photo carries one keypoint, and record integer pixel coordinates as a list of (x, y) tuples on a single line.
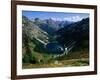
[(55, 48)]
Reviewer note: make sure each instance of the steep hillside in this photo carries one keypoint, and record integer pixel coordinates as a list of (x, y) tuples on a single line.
[(30, 32), (78, 31)]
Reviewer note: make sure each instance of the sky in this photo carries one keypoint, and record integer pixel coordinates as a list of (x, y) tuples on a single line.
[(58, 16)]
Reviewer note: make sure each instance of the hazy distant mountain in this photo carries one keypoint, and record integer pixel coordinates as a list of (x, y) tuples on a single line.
[(50, 26)]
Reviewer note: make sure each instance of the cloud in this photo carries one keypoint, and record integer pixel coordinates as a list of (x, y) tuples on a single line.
[(56, 19), (73, 18), (70, 18)]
